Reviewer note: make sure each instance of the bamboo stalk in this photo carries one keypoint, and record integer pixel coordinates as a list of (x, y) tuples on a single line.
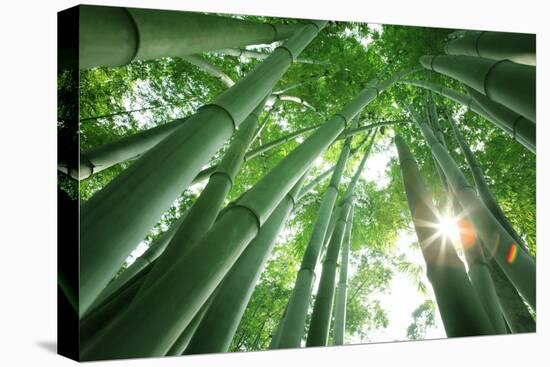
[(504, 82), (112, 36), (517, 47), (341, 291), (217, 328)]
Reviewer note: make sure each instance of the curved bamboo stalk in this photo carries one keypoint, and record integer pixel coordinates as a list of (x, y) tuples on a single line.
[(341, 291), (521, 129), (217, 328), (504, 82), (517, 47), (121, 214), (204, 211), (322, 309), (251, 54), (112, 36), (518, 127), (460, 309), (518, 265)]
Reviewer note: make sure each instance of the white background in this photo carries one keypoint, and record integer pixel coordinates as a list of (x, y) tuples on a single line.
[(28, 183)]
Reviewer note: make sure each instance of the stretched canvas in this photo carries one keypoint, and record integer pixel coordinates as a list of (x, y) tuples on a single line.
[(232, 183)]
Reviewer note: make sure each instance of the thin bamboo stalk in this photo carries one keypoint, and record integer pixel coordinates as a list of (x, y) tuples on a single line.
[(341, 291), (322, 309)]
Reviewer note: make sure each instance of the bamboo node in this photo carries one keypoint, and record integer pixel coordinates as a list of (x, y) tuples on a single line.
[(138, 38), (485, 79)]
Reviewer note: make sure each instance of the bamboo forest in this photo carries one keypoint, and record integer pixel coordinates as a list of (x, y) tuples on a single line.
[(252, 183)]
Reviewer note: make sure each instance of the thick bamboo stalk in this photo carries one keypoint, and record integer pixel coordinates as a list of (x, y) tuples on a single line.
[(481, 185), (217, 328), (517, 126), (204, 211), (504, 82), (112, 36), (517, 264), (120, 215), (478, 269), (460, 309), (106, 313), (341, 291), (517, 47), (251, 54), (182, 342), (146, 259), (521, 129), (517, 316), (322, 309)]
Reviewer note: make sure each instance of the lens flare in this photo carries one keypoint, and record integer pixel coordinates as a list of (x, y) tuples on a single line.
[(447, 228), (512, 253), (467, 232)]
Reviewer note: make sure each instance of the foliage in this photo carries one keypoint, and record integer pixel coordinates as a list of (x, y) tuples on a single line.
[(423, 320)]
